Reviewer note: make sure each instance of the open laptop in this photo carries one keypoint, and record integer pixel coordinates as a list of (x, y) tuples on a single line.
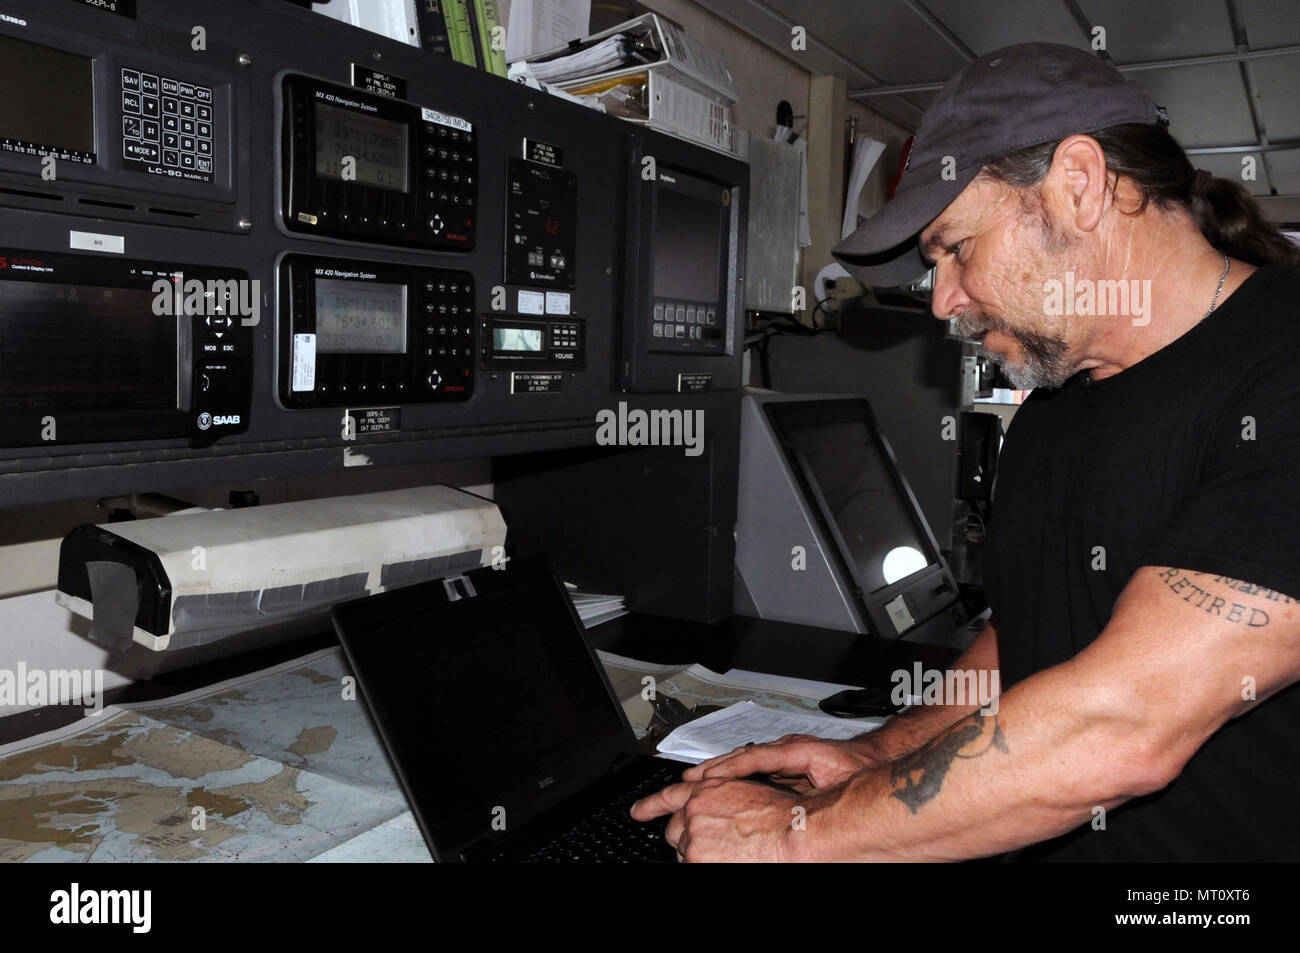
[(500, 721)]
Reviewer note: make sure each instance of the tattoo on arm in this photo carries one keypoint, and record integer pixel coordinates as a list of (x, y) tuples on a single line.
[(1206, 596), (932, 761)]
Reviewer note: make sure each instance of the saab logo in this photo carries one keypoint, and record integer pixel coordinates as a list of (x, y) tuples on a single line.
[(546, 782), (205, 420), (14, 20), (228, 419)]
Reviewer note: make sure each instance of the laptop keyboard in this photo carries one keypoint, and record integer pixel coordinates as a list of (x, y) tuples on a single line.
[(609, 834)]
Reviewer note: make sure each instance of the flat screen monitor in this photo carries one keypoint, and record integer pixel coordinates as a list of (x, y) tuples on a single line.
[(690, 239), (109, 341), (48, 102), (690, 242), (360, 317), (376, 147), (852, 483)]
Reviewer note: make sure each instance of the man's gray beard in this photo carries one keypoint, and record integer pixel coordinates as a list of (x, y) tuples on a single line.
[(1043, 364)]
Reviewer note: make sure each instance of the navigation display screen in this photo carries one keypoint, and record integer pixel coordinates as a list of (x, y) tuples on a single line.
[(360, 317), (690, 245), (376, 148), (47, 106), (86, 346)]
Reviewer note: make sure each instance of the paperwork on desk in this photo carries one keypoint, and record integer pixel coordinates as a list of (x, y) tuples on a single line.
[(593, 608), (695, 686), (744, 723)]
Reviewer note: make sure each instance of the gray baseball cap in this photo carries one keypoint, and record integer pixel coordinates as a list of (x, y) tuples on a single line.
[(1009, 99)]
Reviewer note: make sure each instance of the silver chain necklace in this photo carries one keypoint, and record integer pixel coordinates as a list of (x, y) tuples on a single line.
[(1227, 263), (1217, 291)]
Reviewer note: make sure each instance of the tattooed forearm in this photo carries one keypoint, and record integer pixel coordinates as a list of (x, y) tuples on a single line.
[(1203, 595), (922, 772)]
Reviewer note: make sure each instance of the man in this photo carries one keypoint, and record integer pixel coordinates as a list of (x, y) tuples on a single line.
[(1142, 564)]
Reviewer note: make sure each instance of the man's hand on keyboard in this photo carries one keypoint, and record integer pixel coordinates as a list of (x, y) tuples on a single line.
[(726, 820), (801, 762)]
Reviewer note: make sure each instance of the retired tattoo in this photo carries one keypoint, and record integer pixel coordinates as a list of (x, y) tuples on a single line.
[(1213, 595), (922, 772)]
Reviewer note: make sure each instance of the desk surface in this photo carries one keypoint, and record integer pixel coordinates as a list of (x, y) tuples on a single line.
[(285, 767)]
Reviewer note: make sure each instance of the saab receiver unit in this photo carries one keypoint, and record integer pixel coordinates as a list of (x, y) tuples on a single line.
[(375, 169), (101, 350), (358, 331)]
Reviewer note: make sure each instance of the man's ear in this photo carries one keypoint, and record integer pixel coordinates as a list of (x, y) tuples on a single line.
[(1077, 182)]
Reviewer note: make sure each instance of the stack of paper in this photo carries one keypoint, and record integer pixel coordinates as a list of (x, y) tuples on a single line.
[(594, 608), (613, 52), (744, 722), (536, 26)]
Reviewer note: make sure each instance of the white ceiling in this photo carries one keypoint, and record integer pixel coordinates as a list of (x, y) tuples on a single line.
[(1243, 102)]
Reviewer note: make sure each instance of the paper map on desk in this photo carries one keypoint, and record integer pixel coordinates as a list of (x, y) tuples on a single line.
[(282, 766)]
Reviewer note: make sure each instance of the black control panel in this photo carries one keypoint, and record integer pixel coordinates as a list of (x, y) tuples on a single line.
[(361, 332), (376, 169), (512, 342), (683, 270), (541, 224), (690, 220), (468, 266), (117, 128), (98, 349), (168, 125), (689, 325)]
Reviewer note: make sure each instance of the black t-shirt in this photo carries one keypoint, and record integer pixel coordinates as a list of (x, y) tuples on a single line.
[(1156, 466)]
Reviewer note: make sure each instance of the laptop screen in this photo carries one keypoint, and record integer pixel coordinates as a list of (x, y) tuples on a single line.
[(487, 703)]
